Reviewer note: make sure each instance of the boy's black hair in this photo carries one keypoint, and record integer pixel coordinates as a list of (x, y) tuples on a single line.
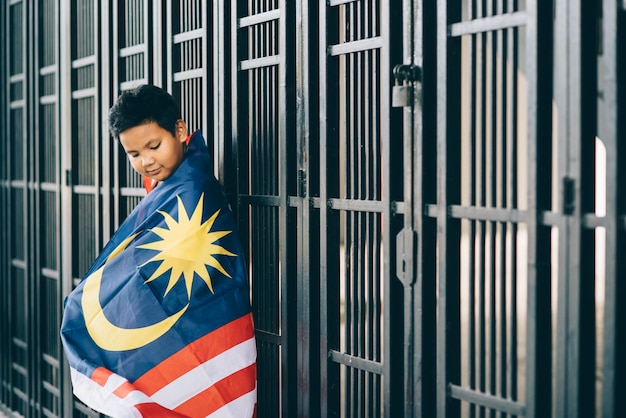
[(144, 104)]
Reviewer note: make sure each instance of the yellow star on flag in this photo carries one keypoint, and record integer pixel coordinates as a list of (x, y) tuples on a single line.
[(187, 246)]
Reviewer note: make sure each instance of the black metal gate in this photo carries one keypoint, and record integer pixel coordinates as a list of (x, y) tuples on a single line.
[(312, 127), (30, 265), (428, 192), (527, 219)]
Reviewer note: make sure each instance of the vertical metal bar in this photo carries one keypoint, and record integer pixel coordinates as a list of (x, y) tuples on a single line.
[(234, 86), (288, 351), (490, 196), (377, 295), (613, 133), (369, 274), (474, 190), (488, 183), (142, 19), (480, 181), (115, 91), (348, 28), (448, 192), (481, 176), (492, 150), (442, 107), (309, 320), (566, 234), (410, 37), (539, 97), (351, 388), (360, 216), (501, 131), (329, 250), (205, 100), (107, 85), (390, 396), (26, 344), (218, 87), (65, 151), (31, 204), (512, 82), (154, 37), (95, 129), (361, 261), (4, 201)]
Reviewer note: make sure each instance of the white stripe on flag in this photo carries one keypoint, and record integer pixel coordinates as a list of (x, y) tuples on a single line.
[(103, 399), (241, 407), (207, 374)]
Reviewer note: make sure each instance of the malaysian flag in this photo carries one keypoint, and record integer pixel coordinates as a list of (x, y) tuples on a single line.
[(161, 324)]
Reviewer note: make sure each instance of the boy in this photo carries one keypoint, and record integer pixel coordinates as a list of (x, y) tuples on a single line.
[(161, 324)]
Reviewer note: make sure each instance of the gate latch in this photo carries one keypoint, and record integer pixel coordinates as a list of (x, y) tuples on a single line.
[(569, 195), (406, 243), (403, 92)]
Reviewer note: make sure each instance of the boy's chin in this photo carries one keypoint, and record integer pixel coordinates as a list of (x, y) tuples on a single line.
[(157, 178), (160, 175)]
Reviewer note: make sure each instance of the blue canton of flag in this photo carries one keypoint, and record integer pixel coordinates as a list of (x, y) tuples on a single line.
[(161, 324)]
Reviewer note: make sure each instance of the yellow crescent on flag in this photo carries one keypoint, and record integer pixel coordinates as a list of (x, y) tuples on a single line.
[(107, 335)]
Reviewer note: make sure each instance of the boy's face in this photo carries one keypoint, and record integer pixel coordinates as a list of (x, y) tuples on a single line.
[(153, 151)]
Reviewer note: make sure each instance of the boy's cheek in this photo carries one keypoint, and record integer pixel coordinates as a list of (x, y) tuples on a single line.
[(136, 166)]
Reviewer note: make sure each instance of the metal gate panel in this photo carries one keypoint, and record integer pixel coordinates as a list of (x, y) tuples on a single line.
[(494, 244), (31, 279), (489, 294), (263, 146), (360, 190)]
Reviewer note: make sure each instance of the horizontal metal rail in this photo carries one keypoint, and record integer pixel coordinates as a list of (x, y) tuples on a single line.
[(487, 24), (259, 18), (179, 38), (486, 400), (269, 337), (355, 46), (133, 50), (268, 61), (340, 2), (356, 362)]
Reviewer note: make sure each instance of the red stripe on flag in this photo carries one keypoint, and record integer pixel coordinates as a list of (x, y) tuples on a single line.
[(156, 410), (124, 389), (196, 353), (221, 393), (101, 375)]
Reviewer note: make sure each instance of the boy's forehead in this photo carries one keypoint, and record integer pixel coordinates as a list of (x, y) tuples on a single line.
[(141, 134)]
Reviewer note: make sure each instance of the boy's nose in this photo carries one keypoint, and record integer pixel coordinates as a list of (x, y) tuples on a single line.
[(147, 161)]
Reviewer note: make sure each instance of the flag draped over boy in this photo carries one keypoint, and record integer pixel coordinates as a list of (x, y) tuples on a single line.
[(161, 323)]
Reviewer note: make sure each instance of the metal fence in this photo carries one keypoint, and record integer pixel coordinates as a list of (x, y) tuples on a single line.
[(427, 192)]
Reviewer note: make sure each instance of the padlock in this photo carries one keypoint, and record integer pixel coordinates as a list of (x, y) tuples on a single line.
[(401, 95)]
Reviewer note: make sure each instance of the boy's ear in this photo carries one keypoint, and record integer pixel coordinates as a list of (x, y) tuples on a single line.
[(181, 130)]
